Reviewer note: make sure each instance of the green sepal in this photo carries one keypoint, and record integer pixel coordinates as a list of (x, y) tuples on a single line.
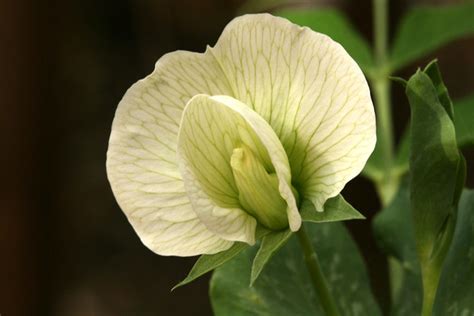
[(207, 263), (335, 209), (271, 243), (399, 80)]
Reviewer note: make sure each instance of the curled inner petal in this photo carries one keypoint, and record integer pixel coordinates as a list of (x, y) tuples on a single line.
[(258, 189), (235, 169)]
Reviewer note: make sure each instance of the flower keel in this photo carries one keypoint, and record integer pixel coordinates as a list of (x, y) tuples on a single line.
[(258, 189)]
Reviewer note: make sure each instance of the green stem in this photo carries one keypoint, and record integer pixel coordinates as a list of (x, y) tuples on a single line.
[(388, 185), (319, 282), (430, 285)]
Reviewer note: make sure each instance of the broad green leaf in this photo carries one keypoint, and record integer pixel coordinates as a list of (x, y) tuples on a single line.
[(393, 229), (334, 24), (335, 209), (410, 296), (456, 291), (464, 121), (207, 263), (424, 29), (271, 243), (284, 287)]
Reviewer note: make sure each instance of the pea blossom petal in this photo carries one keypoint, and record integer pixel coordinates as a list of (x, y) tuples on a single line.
[(311, 92), (141, 159)]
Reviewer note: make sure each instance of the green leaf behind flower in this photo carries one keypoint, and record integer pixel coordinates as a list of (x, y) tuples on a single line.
[(284, 287), (456, 291), (424, 29), (464, 121), (393, 231)]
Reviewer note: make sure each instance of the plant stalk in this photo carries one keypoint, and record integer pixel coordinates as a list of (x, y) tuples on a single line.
[(430, 285), (319, 282), (388, 185)]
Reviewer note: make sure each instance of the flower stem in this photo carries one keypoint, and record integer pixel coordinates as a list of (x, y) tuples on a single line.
[(319, 282)]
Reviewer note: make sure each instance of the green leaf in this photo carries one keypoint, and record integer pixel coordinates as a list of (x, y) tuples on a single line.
[(207, 263), (456, 289), (424, 29), (434, 163), (393, 229), (271, 243), (335, 209), (394, 232), (335, 25), (464, 121), (284, 287)]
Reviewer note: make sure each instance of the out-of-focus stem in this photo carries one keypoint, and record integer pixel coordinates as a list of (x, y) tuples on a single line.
[(388, 185)]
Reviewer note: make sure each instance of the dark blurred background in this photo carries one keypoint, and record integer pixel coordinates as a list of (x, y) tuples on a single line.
[(65, 247)]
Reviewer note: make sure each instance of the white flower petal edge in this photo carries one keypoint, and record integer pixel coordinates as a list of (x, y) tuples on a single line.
[(141, 158), (211, 128), (311, 92)]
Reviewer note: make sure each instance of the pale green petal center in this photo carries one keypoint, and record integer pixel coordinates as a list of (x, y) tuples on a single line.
[(258, 189)]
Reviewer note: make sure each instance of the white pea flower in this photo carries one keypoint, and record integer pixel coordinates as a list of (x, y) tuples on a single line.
[(213, 144)]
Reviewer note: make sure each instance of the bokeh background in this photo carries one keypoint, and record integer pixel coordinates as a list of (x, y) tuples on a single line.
[(65, 247)]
